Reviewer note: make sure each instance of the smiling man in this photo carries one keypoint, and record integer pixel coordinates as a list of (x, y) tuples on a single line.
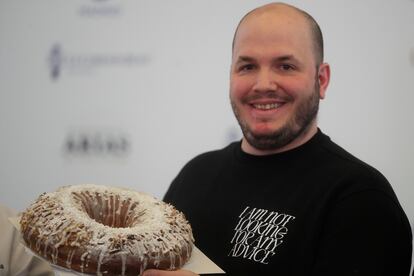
[(286, 200), (277, 79)]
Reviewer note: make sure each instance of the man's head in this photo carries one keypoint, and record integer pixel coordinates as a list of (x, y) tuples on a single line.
[(277, 78), (316, 33)]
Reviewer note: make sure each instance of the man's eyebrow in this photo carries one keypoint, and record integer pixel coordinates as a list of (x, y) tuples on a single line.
[(285, 58), (245, 59), (276, 59)]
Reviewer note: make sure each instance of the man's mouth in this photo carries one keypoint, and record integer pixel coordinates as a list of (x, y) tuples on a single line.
[(268, 106)]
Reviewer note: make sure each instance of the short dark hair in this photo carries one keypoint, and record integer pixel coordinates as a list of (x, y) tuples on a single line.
[(317, 37)]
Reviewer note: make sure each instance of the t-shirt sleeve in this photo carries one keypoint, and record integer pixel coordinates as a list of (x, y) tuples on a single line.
[(366, 233)]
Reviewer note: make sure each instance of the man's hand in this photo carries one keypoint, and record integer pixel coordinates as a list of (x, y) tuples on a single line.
[(154, 272)]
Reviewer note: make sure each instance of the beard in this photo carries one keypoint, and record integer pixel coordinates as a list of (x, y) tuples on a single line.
[(297, 125)]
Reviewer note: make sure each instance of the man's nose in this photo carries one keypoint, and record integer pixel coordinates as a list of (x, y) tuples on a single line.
[(266, 81)]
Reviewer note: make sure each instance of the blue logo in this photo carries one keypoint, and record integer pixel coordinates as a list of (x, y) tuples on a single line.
[(80, 64), (55, 61)]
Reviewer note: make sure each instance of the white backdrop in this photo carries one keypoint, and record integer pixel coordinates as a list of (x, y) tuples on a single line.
[(125, 92)]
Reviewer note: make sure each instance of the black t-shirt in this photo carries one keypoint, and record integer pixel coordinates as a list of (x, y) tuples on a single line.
[(313, 210)]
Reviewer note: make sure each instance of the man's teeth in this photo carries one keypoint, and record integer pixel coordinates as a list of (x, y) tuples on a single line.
[(266, 106)]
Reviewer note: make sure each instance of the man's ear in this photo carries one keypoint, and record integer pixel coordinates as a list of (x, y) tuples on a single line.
[(324, 75)]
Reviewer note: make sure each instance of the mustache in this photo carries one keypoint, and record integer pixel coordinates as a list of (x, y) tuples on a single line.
[(268, 95)]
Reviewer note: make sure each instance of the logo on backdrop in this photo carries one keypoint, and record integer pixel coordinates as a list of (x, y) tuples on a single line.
[(258, 234), (100, 8), (97, 143), (60, 61)]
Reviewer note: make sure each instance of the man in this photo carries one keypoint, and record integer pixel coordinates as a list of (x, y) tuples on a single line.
[(286, 200), (14, 260)]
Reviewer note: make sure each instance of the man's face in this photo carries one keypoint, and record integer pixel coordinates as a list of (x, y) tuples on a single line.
[(274, 86)]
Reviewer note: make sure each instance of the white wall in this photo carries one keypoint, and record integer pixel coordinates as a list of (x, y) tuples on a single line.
[(148, 80)]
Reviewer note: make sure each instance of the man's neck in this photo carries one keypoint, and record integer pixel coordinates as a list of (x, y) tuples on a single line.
[(297, 142)]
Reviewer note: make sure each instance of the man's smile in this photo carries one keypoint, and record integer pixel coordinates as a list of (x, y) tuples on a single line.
[(268, 106)]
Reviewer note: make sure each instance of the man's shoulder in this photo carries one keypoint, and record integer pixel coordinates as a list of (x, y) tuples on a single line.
[(357, 174), (200, 169), (214, 157), (347, 160)]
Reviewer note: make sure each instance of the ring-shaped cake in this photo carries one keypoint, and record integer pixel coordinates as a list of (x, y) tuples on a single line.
[(99, 230)]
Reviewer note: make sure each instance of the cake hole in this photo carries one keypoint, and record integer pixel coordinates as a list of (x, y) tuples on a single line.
[(109, 209)]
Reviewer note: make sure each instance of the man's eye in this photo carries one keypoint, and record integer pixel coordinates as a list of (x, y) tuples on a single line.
[(286, 67), (246, 67)]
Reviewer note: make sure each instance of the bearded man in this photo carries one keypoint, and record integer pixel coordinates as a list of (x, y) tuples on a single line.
[(286, 200)]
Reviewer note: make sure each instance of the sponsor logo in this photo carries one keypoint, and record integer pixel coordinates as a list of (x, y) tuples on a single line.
[(100, 8), (60, 61), (97, 143)]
